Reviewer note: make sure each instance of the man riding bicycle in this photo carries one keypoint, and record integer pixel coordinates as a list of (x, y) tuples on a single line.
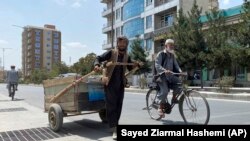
[(166, 62), (12, 78)]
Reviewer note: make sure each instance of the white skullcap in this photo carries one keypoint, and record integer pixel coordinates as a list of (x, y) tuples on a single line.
[(169, 41)]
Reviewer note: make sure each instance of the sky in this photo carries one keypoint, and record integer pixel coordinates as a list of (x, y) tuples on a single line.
[(225, 4), (80, 22)]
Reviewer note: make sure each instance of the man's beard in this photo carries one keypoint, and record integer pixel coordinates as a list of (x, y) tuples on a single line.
[(170, 50)]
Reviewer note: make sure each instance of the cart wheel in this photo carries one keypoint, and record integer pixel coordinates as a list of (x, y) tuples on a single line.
[(55, 116), (103, 115)]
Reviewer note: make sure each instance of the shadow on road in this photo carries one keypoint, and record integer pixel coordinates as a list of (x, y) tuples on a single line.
[(87, 129), (171, 122), (18, 99), (7, 100)]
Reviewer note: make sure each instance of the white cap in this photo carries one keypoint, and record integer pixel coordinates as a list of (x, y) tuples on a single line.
[(169, 41)]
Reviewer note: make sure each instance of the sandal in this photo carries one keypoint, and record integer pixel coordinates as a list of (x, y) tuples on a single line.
[(161, 113)]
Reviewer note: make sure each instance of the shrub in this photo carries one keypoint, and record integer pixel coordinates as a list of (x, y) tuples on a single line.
[(225, 83)]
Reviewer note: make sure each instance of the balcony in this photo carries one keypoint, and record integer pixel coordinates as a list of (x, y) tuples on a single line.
[(28, 60), (161, 2), (29, 47), (162, 28), (105, 1), (107, 45), (106, 11), (28, 54), (29, 67), (106, 27)]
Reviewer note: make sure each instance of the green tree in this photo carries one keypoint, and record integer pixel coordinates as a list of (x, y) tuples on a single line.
[(38, 75), (84, 65), (180, 33), (88, 63), (138, 54), (191, 46), (242, 37), (197, 42), (244, 29), (58, 68), (220, 54)]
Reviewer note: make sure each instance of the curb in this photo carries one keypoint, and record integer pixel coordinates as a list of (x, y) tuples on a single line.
[(208, 94)]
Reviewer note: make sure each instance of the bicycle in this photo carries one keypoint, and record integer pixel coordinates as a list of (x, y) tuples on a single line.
[(12, 89), (190, 101)]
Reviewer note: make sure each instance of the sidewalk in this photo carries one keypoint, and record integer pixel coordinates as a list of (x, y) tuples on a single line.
[(209, 92), (21, 121)]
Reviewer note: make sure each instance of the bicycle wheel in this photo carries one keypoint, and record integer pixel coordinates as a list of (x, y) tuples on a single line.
[(12, 91), (194, 108), (152, 106)]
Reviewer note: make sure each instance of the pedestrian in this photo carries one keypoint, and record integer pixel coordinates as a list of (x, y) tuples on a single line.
[(115, 80)]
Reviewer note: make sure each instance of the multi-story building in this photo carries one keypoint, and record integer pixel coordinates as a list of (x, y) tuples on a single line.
[(41, 48), (147, 19)]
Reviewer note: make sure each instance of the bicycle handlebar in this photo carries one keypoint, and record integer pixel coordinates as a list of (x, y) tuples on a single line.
[(173, 73)]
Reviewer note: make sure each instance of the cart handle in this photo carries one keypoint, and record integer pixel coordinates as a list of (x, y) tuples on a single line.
[(65, 90)]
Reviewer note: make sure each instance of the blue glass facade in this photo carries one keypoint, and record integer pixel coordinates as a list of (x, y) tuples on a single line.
[(133, 8), (133, 27)]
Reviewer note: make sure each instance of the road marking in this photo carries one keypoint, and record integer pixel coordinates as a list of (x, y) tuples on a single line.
[(231, 114), (215, 99), (228, 100)]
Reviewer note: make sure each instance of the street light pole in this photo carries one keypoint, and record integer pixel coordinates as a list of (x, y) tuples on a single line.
[(18, 26), (3, 55), (112, 24)]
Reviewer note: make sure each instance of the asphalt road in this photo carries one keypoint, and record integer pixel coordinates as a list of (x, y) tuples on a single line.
[(222, 111)]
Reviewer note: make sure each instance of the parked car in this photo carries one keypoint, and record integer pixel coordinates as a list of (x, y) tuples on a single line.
[(197, 74)]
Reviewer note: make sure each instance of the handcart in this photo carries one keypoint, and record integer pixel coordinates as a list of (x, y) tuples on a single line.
[(71, 96)]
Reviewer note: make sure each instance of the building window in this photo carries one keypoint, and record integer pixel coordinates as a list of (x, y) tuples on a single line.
[(48, 45), (133, 27), (148, 2), (56, 34), (56, 58), (48, 39), (37, 57), (56, 53), (167, 20), (118, 31), (148, 22), (148, 45), (37, 45), (37, 64), (56, 41), (37, 51), (37, 32), (121, 13), (48, 64), (133, 8), (48, 32), (118, 14), (56, 47), (48, 51), (121, 30), (38, 38)]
